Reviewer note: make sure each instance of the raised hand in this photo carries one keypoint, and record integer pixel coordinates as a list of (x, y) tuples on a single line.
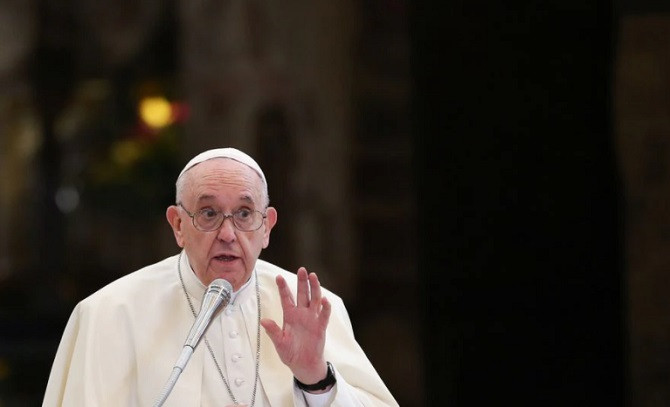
[(301, 340)]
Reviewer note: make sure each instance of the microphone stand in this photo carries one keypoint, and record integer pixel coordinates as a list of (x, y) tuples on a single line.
[(186, 353)]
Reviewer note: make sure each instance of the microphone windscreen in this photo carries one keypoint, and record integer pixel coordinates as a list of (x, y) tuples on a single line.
[(218, 292), (217, 296)]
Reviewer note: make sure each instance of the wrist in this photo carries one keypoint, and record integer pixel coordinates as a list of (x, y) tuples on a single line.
[(322, 385)]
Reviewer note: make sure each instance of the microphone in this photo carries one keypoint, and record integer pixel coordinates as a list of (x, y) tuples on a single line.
[(217, 296)]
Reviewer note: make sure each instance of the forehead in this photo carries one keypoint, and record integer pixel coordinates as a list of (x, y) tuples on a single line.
[(223, 177)]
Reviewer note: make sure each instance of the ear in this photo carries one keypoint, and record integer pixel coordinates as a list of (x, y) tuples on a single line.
[(175, 221), (269, 222)]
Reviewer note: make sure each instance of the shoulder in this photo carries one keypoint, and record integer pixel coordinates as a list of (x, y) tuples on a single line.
[(136, 286), (268, 272)]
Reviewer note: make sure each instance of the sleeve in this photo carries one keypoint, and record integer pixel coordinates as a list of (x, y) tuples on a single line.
[(88, 369), (55, 390), (319, 400)]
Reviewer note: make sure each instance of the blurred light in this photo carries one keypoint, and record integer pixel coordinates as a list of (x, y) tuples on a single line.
[(94, 90), (126, 152), (180, 112), (156, 112), (81, 109), (5, 370), (67, 199)]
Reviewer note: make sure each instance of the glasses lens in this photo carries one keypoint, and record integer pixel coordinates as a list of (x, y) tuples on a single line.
[(208, 219), (247, 220)]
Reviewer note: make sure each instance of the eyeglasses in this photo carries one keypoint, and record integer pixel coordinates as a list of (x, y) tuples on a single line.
[(208, 219)]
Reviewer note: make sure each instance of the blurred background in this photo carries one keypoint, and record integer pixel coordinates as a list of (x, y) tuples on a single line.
[(486, 184)]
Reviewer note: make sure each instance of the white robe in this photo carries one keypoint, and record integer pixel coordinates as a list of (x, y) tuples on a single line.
[(121, 344)]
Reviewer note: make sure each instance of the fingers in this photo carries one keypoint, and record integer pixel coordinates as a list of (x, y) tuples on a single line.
[(325, 313), (272, 329), (315, 291), (303, 288), (284, 293), (308, 291)]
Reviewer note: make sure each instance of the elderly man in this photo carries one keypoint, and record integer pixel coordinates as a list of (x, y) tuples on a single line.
[(121, 343)]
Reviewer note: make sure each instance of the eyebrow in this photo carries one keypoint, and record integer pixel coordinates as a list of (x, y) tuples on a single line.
[(207, 197)]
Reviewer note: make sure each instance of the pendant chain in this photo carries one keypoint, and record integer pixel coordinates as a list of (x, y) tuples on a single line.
[(209, 347)]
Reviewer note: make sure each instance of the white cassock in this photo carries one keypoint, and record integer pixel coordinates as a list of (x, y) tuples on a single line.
[(121, 344)]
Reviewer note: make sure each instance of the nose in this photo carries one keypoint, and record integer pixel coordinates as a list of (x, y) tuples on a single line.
[(227, 230)]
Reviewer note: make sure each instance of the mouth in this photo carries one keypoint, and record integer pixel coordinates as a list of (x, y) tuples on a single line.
[(225, 258)]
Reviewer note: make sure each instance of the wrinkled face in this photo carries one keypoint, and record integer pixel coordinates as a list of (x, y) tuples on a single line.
[(224, 185)]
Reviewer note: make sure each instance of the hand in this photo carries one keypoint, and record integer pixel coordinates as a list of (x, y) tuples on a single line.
[(300, 342)]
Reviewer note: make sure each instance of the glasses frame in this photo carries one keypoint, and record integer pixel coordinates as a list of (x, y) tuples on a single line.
[(192, 215)]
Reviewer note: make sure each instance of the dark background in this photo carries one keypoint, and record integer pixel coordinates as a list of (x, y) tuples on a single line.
[(520, 204)]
